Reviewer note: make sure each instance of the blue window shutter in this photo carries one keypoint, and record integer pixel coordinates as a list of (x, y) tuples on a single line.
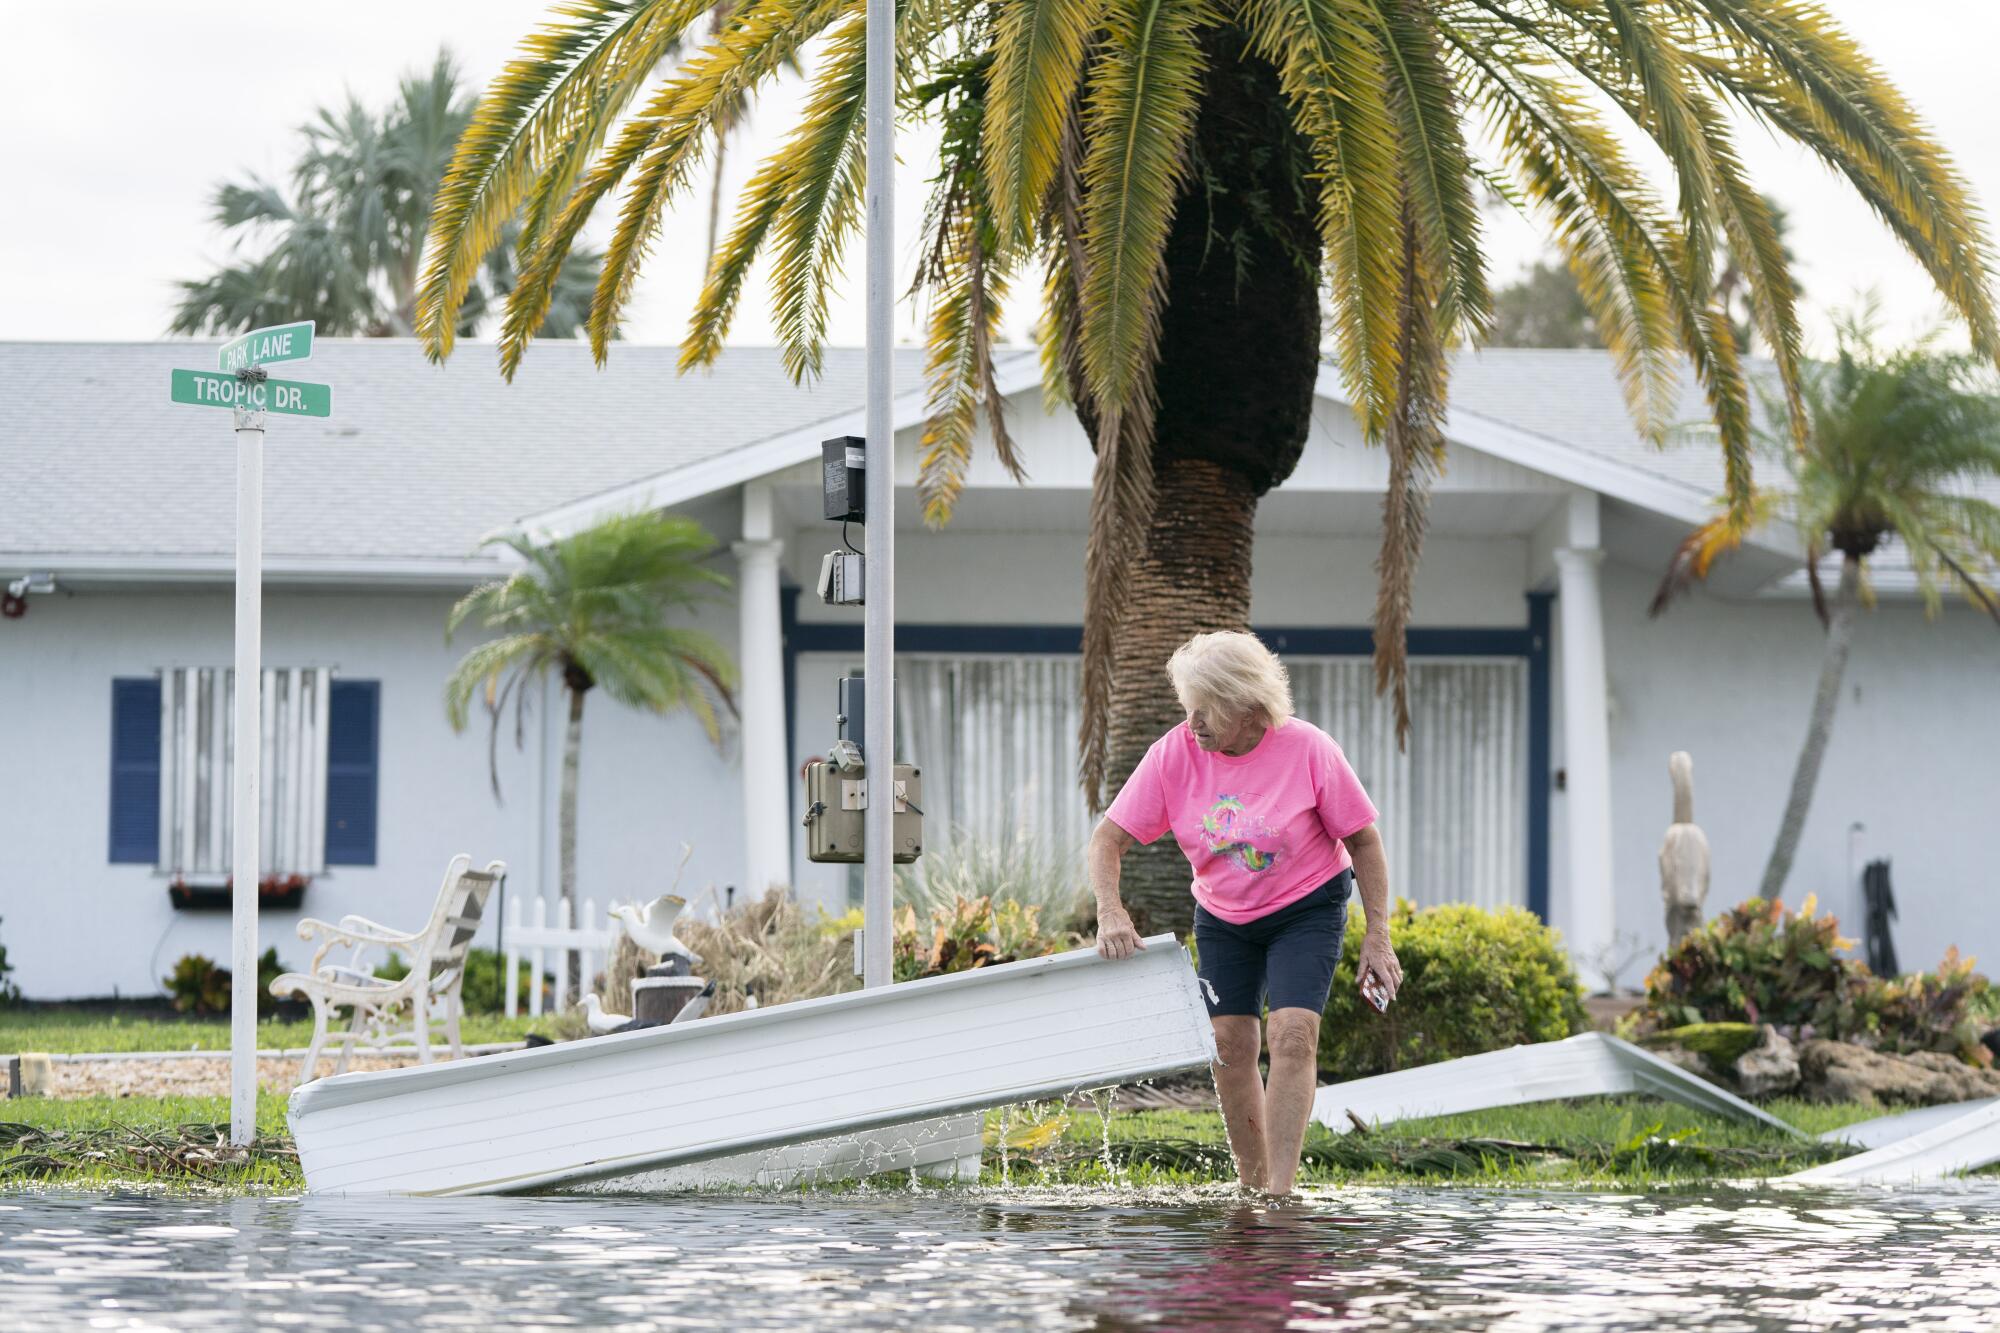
[(135, 770), (353, 735)]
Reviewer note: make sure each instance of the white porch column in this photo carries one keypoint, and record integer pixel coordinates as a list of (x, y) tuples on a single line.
[(767, 825), (1590, 920)]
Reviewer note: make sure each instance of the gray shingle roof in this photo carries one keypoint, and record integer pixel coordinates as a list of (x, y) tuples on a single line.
[(417, 461), (421, 461), (1574, 397)]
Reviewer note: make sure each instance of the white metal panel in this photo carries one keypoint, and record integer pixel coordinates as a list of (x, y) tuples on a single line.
[(1887, 1129), (1590, 1064), (1964, 1142), (841, 1064), (946, 1148)]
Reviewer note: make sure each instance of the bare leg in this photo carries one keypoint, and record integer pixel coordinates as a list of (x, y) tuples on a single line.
[(1294, 1041), (1237, 1037)]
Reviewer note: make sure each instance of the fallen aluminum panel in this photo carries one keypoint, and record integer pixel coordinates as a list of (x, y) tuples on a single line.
[(1886, 1129), (946, 1148), (842, 1064), (1963, 1142), (1590, 1064)]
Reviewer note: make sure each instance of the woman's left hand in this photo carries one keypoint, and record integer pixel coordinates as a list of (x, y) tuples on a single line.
[(1378, 956)]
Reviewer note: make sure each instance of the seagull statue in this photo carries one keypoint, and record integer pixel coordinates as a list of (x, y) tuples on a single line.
[(652, 926), (598, 1019)]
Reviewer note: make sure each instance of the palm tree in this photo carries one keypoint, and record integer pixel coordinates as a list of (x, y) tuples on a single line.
[(1183, 176), (594, 608), (345, 245), (1895, 446)]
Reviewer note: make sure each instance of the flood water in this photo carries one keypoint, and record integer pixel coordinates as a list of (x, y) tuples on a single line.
[(941, 1260)]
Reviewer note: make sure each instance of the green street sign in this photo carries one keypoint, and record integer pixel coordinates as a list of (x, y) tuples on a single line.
[(204, 388), (260, 347)]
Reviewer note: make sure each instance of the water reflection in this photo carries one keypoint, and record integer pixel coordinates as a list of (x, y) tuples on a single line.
[(1026, 1259)]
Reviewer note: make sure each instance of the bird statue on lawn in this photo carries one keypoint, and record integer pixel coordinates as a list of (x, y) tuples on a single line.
[(652, 926), (600, 1020), (1683, 855)]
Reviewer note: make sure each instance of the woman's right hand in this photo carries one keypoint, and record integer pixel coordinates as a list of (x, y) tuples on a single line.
[(1117, 937)]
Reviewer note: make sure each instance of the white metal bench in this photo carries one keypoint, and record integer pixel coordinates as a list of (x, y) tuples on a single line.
[(396, 1014)]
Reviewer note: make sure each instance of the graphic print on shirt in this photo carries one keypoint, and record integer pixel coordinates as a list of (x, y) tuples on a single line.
[(1232, 829)]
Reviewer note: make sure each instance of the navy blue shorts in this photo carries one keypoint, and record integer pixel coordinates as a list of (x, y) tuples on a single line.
[(1285, 959)]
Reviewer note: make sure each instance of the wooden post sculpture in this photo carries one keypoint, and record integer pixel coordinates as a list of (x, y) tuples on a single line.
[(1683, 855)]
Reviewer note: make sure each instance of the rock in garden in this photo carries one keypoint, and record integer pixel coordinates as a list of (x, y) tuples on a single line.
[(1768, 1068), (1694, 1062), (1838, 1071)]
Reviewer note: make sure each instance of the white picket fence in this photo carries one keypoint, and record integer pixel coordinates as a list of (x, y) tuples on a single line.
[(537, 937)]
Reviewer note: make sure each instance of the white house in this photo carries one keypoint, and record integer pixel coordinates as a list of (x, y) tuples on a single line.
[(1546, 701)]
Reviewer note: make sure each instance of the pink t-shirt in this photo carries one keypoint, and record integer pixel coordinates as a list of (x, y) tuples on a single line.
[(1261, 829)]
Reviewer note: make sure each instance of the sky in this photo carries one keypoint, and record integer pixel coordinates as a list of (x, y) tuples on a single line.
[(117, 121)]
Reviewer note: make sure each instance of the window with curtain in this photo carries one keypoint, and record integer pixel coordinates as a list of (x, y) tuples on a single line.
[(197, 806), (996, 738)]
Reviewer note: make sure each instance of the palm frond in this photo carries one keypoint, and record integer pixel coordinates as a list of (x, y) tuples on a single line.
[(535, 104), (1440, 174), (1660, 92), (1601, 214), (670, 135), (969, 290), (1142, 94), (1413, 437), (1794, 67), (1038, 60), (825, 165), (1331, 64)]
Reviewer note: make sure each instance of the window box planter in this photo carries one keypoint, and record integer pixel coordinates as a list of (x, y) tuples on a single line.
[(275, 893)]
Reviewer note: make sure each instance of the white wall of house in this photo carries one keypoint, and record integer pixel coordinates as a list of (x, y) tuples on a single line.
[(1913, 753), (75, 925), (1915, 756)]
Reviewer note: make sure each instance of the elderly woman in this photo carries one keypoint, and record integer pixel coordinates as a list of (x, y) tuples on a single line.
[(1278, 832)]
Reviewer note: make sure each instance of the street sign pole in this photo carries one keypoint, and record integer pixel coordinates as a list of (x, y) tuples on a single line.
[(247, 389), (879, 576), (246, 762)]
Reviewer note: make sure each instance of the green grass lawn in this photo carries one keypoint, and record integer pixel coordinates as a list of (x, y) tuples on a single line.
[(67, 1032), (1623, 1142), (101, 1142)]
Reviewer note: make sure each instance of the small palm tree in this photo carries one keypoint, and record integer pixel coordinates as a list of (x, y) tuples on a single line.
[(1895, 448), (594, 607), (343, 248)]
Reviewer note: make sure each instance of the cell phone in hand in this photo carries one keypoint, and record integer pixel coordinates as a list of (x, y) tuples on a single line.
[(1373, 991)]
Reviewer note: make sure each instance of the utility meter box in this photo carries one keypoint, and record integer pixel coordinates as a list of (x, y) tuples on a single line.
[(837, 804)]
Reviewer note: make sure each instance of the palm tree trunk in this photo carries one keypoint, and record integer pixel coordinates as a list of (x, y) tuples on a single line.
[(1238, 361), (1832, 666), (566, 825), (1193, 577)]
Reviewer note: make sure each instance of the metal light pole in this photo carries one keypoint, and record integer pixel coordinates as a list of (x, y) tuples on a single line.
[(879, 643), (246, 764)]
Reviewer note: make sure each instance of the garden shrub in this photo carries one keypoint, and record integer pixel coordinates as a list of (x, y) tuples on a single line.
[(1017, 868), (1927, 1011), (1473, 981), (773, 948), (965, 934), (200, 986), (481, 992), (1758, 963)]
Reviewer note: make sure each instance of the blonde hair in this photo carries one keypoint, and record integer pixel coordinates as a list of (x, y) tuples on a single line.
[(1233, 673)]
